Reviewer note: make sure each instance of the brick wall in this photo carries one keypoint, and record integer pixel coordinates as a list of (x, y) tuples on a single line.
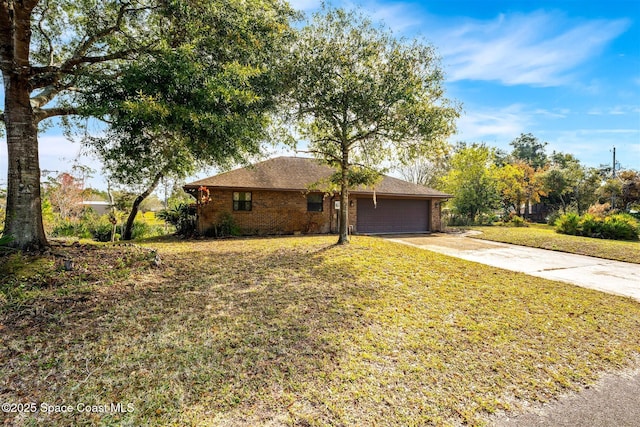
[(272, 212), (284, 212), (436, 218)]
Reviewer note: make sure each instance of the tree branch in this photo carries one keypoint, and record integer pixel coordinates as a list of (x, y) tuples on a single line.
[(44, 34), (83, 48), (46, 113), (44, 97)]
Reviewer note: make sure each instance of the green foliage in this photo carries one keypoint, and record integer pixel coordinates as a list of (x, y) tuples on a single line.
[(5, 240), (142, 229), (361, 97), (203, 97), (178, 196), (182, 217), (517, 221), (590, 226), (530, 150), (101, 229), (617, 226), (471, 181), (620, 227), (225, 227), (553, 217), (89, 226), (568, 224)]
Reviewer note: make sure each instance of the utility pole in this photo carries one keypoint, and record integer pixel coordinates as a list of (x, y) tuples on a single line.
[(613, 175)]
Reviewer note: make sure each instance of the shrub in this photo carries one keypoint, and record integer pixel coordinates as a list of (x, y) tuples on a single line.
[(225, 227), (590, 226), (101, 230), (182, 217), (64, 229), (456, 220), (620, 227), (518, 221), (568, 224), (487, 219), (142, 229), (617, 226), (553, 217)]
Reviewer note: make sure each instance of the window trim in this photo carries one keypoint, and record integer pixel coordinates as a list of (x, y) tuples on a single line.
[(240, 205), (316, 204)]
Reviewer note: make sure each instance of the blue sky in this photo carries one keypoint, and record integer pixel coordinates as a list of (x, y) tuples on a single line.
[(566, 71)]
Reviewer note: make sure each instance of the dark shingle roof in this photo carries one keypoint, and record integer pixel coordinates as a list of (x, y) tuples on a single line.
[(298, 173)]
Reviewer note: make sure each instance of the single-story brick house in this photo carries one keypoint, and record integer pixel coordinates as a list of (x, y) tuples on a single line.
[(274, 197)]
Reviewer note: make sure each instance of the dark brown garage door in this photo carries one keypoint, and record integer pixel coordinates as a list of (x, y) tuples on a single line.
[(392, 216)]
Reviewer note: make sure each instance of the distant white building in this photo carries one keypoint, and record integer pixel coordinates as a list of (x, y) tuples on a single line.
[(99, 206)]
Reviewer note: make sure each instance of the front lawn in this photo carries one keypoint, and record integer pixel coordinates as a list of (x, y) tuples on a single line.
[(295, 331), (545, 237)]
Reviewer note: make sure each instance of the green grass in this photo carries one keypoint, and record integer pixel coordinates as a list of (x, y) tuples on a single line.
[(544, 236), (297, 331)]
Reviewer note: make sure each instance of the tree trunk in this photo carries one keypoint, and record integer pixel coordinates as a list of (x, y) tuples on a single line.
[(112, 209), (128, 229), (343, 238), (24, 210)]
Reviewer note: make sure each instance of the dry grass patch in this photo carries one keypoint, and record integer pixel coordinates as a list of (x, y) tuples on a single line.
[(297, 331), (542, 236)]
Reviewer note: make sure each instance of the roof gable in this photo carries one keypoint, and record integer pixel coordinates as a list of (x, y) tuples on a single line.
[(298, 173)]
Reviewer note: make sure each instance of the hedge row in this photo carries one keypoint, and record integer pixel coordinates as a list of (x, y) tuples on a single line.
[(616, 227)]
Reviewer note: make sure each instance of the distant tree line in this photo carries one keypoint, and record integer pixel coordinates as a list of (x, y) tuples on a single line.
[(527, 182)]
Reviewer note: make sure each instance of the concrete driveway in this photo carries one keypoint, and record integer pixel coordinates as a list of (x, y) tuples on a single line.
[(614, 277), (612, 401)]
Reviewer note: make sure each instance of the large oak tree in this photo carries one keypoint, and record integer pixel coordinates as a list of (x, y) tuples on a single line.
[(361, 96), (203, 99), (53, 53)]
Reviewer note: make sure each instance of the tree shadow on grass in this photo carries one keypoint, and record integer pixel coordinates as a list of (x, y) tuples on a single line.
[(231, 333)]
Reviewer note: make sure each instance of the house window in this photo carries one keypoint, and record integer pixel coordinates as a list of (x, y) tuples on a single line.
[(314, 202), (241, 201)]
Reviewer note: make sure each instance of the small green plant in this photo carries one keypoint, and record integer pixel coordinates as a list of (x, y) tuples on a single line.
[(4, 242), (225, 227), (101, 229), (518, 221)]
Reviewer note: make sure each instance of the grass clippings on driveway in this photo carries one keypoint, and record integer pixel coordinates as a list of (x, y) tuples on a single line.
[(541, 236), (297, 331)]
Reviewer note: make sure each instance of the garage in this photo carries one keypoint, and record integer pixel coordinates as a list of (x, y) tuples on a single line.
[(393, 216)]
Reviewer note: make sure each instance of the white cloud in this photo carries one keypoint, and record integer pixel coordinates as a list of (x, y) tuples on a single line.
[(593, 146), (540, 48), (493, 125), (398, 16), (556, 114)]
